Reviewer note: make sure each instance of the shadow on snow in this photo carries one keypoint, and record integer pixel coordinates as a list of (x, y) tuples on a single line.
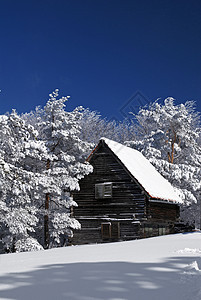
[(101, 281)]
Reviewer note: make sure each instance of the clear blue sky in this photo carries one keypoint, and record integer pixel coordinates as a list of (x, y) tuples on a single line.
[(100, 52)]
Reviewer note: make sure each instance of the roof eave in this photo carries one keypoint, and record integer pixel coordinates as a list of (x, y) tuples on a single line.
[(159, 200)]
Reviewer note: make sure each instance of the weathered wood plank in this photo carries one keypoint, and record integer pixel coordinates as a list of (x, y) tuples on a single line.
[(137, 217)]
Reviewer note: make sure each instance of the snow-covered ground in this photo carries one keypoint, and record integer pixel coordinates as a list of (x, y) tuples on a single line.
[(160, 268)]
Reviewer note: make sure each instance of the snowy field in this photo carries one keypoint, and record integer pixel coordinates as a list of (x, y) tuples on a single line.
[(159, 268)]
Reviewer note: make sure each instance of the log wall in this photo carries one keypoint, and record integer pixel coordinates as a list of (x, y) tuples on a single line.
[(127, 215)]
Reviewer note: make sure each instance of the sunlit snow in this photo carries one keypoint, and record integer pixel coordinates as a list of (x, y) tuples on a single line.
[(159, 268)]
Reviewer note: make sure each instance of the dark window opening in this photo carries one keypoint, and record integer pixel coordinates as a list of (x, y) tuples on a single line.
[(115, 230), (106, 230), (103, 190)]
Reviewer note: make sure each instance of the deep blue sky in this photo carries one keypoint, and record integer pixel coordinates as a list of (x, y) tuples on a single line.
[(100, 52)]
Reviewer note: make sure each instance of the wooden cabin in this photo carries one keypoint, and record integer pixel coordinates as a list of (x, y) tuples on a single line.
[(124, 198)]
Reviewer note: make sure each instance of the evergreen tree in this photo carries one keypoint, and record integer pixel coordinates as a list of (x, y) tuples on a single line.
[(168, 135), (18, 215), (61, 167), (94, 127), (41, 161)]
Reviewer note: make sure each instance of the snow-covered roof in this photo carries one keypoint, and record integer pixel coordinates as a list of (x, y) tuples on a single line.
[(144, 172)]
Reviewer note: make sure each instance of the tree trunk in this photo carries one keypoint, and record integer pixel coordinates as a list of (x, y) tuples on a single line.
[(171, 154), (46, 218), (200, 211)]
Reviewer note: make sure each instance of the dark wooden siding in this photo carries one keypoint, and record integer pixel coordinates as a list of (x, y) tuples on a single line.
[(127, 197), (163, 211), (129, 205)]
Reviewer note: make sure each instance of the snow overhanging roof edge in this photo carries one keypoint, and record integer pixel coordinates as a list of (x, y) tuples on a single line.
[(143, 171)]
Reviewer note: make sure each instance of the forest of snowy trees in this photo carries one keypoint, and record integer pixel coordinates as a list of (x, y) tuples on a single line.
[(42, 158)]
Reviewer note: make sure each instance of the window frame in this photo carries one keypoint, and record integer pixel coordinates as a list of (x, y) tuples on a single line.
[(161, 230), (103, 235), (113, 231), (101, 192), (148, 230)]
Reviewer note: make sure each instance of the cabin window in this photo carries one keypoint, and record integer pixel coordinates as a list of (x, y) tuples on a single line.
[(148, 230), (115, 230), (103, 190), (106, 230), (161, 230), (110, 230)]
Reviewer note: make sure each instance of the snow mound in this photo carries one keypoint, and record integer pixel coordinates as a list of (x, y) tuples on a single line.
[(193, 266), (191, 251)]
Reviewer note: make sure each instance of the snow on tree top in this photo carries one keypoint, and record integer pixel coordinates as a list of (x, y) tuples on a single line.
[(144, 172)]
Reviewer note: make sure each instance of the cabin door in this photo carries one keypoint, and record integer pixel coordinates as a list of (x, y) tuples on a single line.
[(110, 231)]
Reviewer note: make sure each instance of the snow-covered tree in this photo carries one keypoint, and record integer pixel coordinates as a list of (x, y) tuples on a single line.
[(18, 215), (93, 127), (41, 161), (168, 135), (60, 168)]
